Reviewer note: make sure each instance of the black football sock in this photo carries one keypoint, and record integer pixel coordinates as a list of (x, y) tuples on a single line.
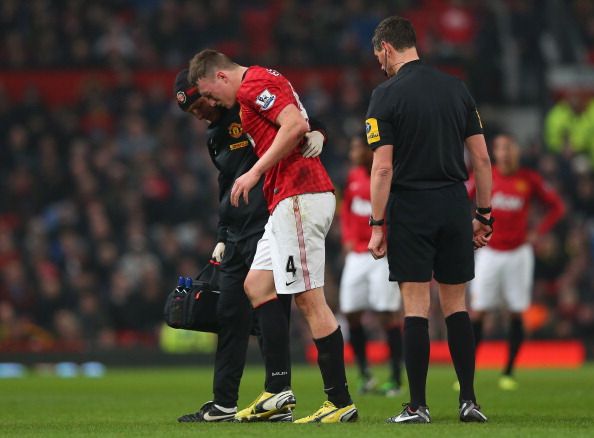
[(359, 342), (394, 340), (515, 339), (331, 363), (477, 328), (462, 350), (286, 302), (416, 357), (275, 344)]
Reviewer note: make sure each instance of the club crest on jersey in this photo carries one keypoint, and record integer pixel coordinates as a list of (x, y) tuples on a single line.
[(235, 130), (265, 100), (521, 186), (181, 97), (273, 72), (372, 131)]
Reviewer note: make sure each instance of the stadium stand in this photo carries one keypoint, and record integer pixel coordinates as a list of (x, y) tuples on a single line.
[(105, 186)]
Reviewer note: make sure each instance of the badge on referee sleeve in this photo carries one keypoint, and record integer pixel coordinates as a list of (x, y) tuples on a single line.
[(372, 131)]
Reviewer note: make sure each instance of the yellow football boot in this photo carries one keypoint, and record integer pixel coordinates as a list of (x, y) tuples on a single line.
[(508, 383), (269, 407), (329, 413)]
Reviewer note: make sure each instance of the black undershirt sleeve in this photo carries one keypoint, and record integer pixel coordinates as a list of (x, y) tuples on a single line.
[(317, 125), (225, 185)]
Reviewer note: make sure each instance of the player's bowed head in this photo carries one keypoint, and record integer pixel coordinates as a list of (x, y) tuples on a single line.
[(216, 76)]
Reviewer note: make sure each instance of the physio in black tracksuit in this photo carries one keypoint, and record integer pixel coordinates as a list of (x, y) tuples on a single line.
[(238, 233)]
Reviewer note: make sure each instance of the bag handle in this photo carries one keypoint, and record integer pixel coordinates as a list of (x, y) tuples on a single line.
[(212, 263)]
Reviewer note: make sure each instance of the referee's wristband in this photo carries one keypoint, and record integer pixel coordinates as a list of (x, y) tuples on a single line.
[(375, 222), (483, 210), (483, 220)]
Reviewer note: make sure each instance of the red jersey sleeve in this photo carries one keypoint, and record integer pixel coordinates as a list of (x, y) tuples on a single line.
[(346, 227), (549, 197), (268, 93)]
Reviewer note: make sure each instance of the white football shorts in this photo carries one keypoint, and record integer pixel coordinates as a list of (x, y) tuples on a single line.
[(293, 245), (364, 285), (503, 277)]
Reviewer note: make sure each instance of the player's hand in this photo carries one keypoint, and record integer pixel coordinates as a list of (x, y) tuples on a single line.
[(377, 244), (242, 187), (218, 252), (481, 234), (314, 142)]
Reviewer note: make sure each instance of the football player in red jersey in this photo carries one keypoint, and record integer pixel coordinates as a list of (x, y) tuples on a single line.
[(364, 284), (291, 254), (505, 268), (238, 233)]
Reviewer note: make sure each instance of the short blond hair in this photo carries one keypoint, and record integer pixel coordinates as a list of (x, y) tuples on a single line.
[(205, 63)]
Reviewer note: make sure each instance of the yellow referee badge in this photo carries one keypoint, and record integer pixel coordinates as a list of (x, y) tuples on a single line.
[(372, 131)]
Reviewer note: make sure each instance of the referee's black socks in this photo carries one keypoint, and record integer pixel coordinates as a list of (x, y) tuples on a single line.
[(462, 350), (416, 357), (331, 363), (274, 329)]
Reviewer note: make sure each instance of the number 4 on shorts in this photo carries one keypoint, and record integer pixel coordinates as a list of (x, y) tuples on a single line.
[(291, 265)]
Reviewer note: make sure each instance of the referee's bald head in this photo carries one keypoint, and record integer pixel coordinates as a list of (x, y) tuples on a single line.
[(396, 31)]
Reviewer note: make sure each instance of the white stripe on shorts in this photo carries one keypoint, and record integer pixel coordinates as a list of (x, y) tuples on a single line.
[(301, 239)]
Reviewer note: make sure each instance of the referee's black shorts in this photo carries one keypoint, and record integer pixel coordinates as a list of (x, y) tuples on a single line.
[(430, 235)]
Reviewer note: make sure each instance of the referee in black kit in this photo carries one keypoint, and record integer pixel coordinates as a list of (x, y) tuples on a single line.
[(238, 232), (418, 122)]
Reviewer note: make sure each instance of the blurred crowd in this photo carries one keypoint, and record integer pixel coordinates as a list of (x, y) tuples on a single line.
[(105, 201), (165, 33)]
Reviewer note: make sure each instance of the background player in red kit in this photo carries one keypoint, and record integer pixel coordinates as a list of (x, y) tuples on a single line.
[(364, 284), (505, 267), (291, 254)]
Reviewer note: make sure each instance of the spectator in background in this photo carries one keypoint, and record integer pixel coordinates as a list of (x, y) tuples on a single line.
[(569, 126), (527, 20)]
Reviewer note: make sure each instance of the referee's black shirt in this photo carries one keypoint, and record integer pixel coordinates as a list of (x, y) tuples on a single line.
[(426, 115)]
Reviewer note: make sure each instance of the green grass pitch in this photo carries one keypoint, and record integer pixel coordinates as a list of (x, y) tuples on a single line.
[(146, 402)]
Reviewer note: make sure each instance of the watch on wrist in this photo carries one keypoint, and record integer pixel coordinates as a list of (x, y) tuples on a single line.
[(375, 222), (483, 210)]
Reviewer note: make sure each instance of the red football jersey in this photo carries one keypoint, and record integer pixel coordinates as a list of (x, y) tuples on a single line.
[(511, 199), (356, 209), (263, 94)]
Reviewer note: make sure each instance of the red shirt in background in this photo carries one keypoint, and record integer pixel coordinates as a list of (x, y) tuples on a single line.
[(263, 94), (511, 199), (356, 209)]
